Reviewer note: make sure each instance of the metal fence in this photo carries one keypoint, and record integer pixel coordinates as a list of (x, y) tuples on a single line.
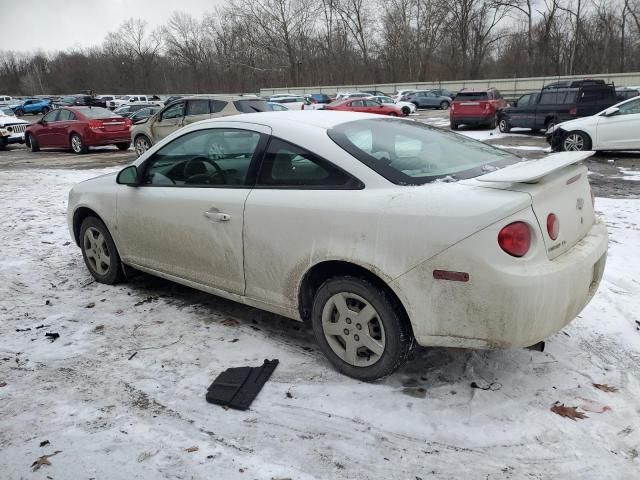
[(509, 87)]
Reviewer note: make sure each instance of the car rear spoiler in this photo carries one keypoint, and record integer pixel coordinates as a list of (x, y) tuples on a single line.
[(532, 171)]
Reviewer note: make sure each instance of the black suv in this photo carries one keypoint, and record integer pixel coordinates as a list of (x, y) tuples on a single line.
[(81, 100), (554, 105)]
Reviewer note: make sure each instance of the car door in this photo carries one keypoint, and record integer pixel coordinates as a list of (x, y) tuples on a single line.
[(197, 110), (430, 100), (168, 121), (289, 215), (47, 125), (621, 130), (61, 127), (186, 218), (521, 115)]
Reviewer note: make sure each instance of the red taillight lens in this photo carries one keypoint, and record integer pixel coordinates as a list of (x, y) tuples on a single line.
[(128, 122), (553, 226), (95, 124), (515, 239), (573, 110)]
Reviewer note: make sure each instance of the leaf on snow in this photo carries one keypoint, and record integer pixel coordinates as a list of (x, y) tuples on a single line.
[(192, 449), (230, 322), (605, 388), (593, 406), (567, 412), (43, 460)]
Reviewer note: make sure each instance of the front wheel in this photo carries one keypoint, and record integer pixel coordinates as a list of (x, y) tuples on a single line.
[(3, 143), (141, 144), (504, 126), (393, 114), (77, 145), (45, 110), (453, 125), (361, 328), (444, 105), (576, 142), (32, 142), (19, 113), (406, 111), (99, 252)]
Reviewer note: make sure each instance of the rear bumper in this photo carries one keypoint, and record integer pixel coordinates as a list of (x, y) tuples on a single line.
[(95, 139), (473, 119), (506, 303)]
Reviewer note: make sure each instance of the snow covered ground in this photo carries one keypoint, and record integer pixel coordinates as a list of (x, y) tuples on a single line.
[(111, 416)]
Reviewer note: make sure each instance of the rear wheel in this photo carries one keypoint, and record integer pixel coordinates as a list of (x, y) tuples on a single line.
[(492, 122), (576, 142), (99, 251), (141, 144), (444, 105), (32, 142), (45, 110), (123, 146), (550, 123), (361, 328), (504, 125), (453, 125), (77, 145)]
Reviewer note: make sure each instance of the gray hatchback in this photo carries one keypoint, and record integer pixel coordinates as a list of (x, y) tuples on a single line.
[(427, 99)]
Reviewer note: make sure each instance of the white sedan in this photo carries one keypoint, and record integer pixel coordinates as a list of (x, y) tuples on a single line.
[(615, 128), (407, 107), (379, 232)]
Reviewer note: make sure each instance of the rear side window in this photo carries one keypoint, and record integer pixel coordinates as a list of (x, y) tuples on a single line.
[(198, 107), (557, 97), (472, 96), (287, 165), (251, 106), (217, 105), (594, 94), (65, 115)]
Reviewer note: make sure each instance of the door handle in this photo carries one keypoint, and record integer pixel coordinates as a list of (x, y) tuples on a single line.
[(218, 216)]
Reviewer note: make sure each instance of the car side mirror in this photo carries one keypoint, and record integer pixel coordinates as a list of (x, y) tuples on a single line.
[(128, 176), (609, 112)]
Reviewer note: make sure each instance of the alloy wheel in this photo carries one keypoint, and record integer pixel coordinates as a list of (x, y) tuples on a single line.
[(353, 330), (76, 144), (574, 142), (97, 251), (142, 145)]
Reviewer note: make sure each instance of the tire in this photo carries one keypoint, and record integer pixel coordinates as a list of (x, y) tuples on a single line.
[(550, 123), (77, 145), (453, 125), (444, 105), (19, 113), (3, 143), (393, 114), (504, 126), (32, 142), (100, 255), (123, 146), (493, 123), (141, 144), (575, 141), (45, 110), (379, 346), (406, 111)]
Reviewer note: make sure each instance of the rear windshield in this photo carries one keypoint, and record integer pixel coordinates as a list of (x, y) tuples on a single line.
[(412, 153), (251, 106), (472, 96), (97, 112)]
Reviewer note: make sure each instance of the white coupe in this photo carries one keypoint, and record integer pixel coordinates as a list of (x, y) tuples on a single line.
[(615, 128), (378, 232)]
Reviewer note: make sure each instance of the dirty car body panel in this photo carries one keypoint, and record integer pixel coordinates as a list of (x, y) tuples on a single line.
[(255, 239)]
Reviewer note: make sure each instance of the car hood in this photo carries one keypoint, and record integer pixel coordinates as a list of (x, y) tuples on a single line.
[(575, 123), (7, 120)]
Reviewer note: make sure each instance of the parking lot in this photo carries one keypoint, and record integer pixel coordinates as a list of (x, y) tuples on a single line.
[(124, 383)]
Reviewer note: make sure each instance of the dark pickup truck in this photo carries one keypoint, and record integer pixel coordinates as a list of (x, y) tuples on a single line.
[(550, 106)]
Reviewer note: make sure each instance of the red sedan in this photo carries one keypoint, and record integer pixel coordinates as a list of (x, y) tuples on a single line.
[(366, 106), (79, 128)]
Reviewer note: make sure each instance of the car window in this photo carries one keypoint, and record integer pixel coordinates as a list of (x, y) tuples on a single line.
[(357, 103), (197, 107), (553, 97), (371, 103), (212, 157), (472, 96), (174, 111), (287, 165), (51, 116), (524, 100), (217, 105), (251, 106), (412, 153), (65, 116), (630, 108)]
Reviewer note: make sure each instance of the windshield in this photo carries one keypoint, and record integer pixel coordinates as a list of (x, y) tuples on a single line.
[(412, 153)]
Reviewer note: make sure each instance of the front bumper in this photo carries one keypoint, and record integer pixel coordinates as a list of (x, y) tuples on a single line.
[(507, 302)]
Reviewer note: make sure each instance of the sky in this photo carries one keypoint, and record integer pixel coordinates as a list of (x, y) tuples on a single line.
[(61, 24)]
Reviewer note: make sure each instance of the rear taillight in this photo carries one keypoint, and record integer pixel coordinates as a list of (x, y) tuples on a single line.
[(573, 110), (515, 239), (553, 226), (128, 122), (95, 124)]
